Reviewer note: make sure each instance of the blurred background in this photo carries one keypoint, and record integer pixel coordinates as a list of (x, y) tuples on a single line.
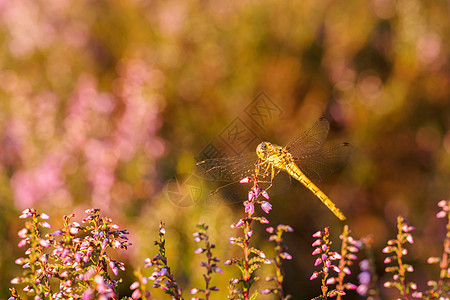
[(107, 103)]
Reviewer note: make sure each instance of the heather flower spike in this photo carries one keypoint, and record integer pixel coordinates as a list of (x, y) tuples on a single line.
[(162, 277), (253, 258), (326, 258), (281, 254), (349, 249), (210, 264), (396, 251), (440, 289)]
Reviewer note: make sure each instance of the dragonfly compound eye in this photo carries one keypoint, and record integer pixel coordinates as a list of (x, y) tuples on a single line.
[(261, 150)]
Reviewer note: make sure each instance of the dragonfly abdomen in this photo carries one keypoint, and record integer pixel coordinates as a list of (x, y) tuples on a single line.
[(295, 172)]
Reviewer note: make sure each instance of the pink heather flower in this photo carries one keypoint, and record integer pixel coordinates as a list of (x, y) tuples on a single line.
[(407, 228), (362, 289), (44, 243), (410, 239), (136, 294), (218, 270), (250, 195), (364, 277), (352, 256), (287, 228), (265, 292), (199, 250), (442, 203), (336, 269), (15, 280), (163, 272), (74, 230), (335, 256), (227, 262), (105, 243), (364, 265), (65, 252), (317, 262), (78, 257), (57, 233), (346, 270), (194, 291), (316, 243), (22, 233), (134, 285), (249, 208), (387, 249), (318, 234), (286, 255), (162, 230), (441, 214), (44, 216), (314, 276), (266, 207), (19, 261), (246, 180), (352, 249), (269, 229), (265, 194), (25, 214), (239, 223), (250, 233), (45, 224), (317, 251), (331, 280)]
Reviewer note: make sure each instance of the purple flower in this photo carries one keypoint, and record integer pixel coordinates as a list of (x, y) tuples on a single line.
[(246, 180), (250, 195), (44, 216), (314, 276), (199, 250), (249, 208), (239, 223), (266, 207)]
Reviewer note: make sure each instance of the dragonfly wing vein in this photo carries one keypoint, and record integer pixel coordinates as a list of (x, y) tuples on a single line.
[(319, 165), (311, 140)]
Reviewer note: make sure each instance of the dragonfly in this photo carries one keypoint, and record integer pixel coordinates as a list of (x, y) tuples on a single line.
[(303, 159)]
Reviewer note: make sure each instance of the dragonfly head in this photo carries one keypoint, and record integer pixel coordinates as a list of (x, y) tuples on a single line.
[(262, 150)]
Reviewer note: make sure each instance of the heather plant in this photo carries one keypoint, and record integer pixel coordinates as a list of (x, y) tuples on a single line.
[(281, 254), (252, 257), (76, 257), (79, 259), (162, 277), (325, 257), (396, 248), (211, 262)]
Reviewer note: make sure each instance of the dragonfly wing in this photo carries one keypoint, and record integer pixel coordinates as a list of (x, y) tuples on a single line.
[(226, 169), (311, 140), (322, 163)]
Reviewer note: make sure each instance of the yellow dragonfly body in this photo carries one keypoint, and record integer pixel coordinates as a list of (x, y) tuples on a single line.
[(303, 159), (272, 156)]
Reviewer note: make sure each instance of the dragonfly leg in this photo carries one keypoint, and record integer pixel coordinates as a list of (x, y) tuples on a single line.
[(271, 176)]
